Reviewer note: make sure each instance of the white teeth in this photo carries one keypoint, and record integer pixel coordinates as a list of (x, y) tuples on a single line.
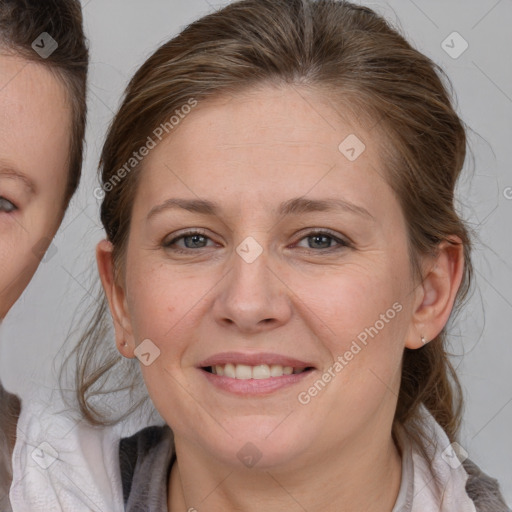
[(276, 370), (229, 371), (261, 371), (242, 371)]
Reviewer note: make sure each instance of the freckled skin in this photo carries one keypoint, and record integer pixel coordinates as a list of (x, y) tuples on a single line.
[(249, 153)]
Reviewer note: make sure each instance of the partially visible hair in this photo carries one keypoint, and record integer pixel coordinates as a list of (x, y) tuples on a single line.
[(355, 59), (21, 23)]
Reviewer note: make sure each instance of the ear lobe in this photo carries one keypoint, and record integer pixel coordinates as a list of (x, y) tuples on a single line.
[(437, 293), (116, 299)]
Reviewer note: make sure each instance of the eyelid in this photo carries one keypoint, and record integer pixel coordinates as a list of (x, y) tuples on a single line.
[(184, 234), (324, 231), (341, 242)]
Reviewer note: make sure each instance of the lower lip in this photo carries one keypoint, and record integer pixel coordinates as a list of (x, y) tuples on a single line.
[(254, 386)]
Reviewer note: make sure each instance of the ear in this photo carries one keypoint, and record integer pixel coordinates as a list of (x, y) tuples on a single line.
[(116, 299), (436, 294)]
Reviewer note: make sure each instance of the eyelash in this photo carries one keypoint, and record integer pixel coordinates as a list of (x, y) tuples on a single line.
[(341, 243), (4, 200)]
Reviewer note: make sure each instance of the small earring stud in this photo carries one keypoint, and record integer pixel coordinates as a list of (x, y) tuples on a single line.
[(423, 340)]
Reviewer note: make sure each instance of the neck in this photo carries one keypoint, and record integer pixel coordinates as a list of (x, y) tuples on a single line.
[(363, 474)]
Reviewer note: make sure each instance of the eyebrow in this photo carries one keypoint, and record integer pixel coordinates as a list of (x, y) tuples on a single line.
[(9, 171), (296, 206)]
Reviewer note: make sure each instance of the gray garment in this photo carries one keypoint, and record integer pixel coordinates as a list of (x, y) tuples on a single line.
[(484, 490), (146, 459), (9, 412)]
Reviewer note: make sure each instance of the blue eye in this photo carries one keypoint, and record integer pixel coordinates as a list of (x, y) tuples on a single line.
[(192, 240), (323, 238), (6, 205)]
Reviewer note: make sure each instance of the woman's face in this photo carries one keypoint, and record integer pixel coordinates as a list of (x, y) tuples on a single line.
[(258, 243), (35, 124)]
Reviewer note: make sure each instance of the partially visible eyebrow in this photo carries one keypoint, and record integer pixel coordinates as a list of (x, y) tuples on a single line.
[(9, 171), (296, 206), (303, 205)]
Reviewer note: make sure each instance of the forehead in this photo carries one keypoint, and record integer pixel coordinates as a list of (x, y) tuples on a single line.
[(266, 140), (35, 118), (265, 120)]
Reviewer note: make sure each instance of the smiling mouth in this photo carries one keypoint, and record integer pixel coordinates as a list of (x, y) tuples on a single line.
[(261, 371)]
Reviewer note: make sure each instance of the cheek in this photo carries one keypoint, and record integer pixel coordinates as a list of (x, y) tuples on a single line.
[(18, 264), (366, 323), (46, 213), (165, 310), (360, 318), (23, 243), (163, 304), (351, 299)]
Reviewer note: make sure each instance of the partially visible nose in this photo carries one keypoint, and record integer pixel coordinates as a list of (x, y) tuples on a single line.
[(251, 297)]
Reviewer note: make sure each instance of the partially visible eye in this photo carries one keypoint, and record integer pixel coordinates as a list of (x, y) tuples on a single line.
[(7, 206), (322, 240), (192, 240)]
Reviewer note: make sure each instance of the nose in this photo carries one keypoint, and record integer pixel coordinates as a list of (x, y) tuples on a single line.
[(252, 297)]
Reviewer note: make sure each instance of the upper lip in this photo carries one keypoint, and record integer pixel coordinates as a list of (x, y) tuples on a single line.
[(253, 360)]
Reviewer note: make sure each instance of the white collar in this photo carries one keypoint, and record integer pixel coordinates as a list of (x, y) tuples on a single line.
[(440, 486)]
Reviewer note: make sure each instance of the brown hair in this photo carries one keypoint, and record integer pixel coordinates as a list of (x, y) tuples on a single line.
[(21, 23), (354, 57)]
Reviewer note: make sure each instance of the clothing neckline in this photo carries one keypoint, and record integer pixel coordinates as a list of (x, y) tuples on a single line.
[(405, 496), (428, 481)]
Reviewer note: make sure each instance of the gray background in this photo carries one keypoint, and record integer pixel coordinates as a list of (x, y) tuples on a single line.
[(123, 33)]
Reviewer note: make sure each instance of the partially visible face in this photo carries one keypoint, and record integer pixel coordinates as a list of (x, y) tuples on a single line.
[(35, 123), (249, 291)]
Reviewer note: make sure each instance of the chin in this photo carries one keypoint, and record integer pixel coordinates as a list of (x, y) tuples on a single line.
[(259, 443)]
